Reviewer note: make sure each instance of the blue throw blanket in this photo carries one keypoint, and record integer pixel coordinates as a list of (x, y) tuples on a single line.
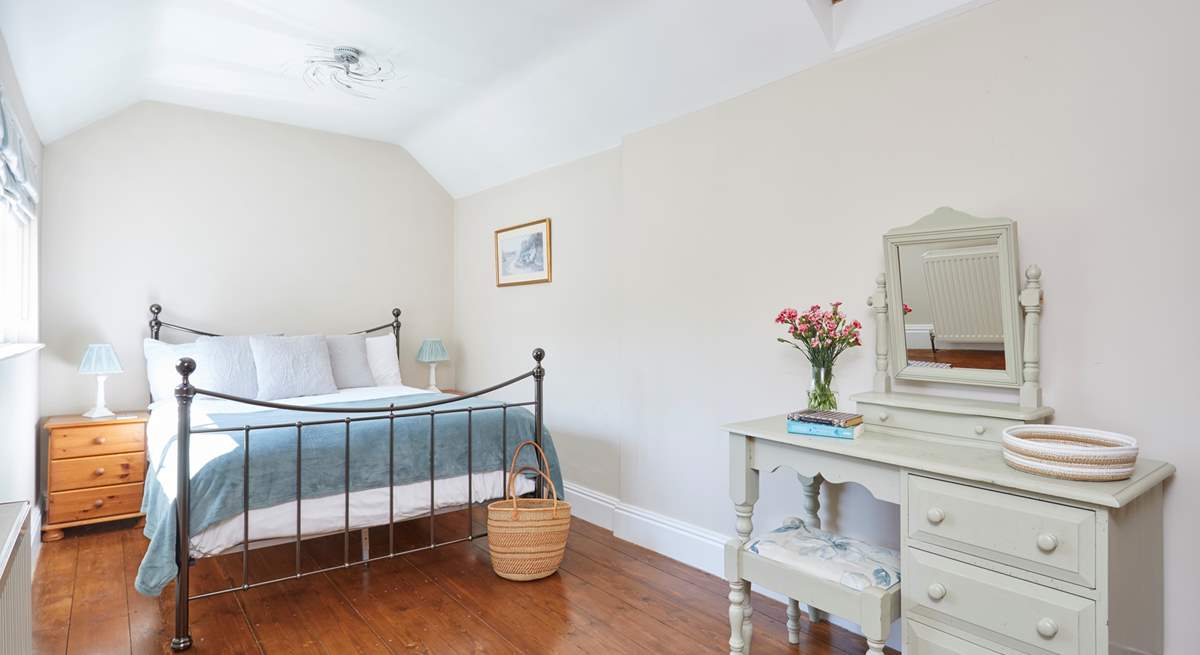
[(216, 491)]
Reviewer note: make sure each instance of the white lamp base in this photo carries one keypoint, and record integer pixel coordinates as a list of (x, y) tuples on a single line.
[(100, 410), (433, 378)]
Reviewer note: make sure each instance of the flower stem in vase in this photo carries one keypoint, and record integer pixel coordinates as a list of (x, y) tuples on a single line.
[(820, 392)]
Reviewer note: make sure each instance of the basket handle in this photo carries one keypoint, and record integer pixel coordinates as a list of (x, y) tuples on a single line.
[(513, 467), (512, 479)]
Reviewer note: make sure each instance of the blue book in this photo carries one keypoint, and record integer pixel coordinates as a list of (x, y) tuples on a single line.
[(820, 430)]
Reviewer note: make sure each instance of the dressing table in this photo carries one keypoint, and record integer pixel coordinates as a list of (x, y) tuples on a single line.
[(993, 560)]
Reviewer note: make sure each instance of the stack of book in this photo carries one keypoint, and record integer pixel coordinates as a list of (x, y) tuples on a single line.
[(823, 423)]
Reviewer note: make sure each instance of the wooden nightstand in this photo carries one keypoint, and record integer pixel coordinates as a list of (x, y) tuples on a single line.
[(95, 471)]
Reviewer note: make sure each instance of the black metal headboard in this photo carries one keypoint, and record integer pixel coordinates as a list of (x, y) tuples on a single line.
[(157, 324)]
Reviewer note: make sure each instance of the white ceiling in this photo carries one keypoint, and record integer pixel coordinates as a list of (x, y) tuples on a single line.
[(486, 90)]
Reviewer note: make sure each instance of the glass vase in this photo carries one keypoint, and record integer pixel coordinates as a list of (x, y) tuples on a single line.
[(820, 390)]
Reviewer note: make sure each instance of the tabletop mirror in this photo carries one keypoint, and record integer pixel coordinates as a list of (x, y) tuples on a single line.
[(953, 300)]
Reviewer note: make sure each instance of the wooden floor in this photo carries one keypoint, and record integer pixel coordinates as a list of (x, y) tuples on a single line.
[(989, 359), (610, 596)]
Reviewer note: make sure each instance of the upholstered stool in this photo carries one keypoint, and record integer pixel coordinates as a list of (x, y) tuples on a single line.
[(841, 575)]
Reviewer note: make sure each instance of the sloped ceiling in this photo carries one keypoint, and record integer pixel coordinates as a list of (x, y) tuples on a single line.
[(486, 91)]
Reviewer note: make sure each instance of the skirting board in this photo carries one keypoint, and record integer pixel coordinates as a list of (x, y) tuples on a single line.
[(693, 545)]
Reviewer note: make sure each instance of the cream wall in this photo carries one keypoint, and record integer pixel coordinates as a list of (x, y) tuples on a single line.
[(1075, 118), (233, 225), (576, 318)]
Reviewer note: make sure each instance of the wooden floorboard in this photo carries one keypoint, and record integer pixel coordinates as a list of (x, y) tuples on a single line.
[(610, 596)]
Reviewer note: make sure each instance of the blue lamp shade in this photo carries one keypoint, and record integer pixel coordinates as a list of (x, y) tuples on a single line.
[(432, 350), (100, 359)]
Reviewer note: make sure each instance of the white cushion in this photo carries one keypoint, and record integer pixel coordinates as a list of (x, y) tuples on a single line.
[(381, 356), (850, 562), (288, 367), (348, 356)]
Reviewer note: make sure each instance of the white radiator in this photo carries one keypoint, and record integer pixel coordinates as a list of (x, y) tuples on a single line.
[(964, 294), (16, 607)]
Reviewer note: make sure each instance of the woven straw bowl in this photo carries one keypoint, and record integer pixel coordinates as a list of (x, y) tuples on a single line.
[(1070, 453)]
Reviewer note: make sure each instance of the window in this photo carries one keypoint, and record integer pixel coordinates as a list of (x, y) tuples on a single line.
[(18, 230), (16, 276)]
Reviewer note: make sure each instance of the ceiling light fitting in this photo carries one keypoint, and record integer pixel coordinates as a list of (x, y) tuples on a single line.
[(348, 69)]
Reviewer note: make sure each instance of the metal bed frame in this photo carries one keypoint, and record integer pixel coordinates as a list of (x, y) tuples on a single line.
[(186, 392)]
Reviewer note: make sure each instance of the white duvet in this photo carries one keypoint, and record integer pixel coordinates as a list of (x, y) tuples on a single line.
[(319, 516)]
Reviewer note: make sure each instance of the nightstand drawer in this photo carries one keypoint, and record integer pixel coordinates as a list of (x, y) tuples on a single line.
[(1035, 535), (87, 440), (84, 472), (84, 504), (997, 607)]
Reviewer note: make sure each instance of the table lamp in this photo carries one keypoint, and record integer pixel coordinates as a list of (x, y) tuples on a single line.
[(432, 351), (101, 361)]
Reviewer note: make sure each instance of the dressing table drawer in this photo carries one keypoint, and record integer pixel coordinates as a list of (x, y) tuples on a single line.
[(920, 639), (977, 428), (997, 607), (1035, 535)]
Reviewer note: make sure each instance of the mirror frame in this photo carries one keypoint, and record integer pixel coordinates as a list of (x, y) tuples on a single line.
[(946, 224)]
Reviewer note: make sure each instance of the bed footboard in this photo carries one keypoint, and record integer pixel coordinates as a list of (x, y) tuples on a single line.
[(185, 393)]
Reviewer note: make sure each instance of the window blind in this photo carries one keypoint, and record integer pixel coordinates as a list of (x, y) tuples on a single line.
[(18, 173)]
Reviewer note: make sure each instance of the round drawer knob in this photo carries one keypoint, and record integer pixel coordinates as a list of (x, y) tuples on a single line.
[(1047, 628), (935, 515), (1047, 542), (99, 472), (99, 441), (99, 502), (883, 416), (937, 591), (979, 429)]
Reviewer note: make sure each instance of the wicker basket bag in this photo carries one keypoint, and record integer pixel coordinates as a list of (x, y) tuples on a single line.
[(528, 536)]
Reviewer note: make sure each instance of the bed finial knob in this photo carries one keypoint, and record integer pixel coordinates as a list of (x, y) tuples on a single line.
[(155, 323), (395, 312), (186, 367), (538, 355)]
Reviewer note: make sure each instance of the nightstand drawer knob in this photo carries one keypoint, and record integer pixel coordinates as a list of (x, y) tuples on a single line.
[(1047, 628), (99, 472), (1047, 542), (937, 591), (935, 515), (979, 429), (100, 441), (98, 503), (883, 416)]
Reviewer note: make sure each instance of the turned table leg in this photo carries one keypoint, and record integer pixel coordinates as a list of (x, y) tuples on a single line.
[(793, 621), (810, 488), (743, 490)]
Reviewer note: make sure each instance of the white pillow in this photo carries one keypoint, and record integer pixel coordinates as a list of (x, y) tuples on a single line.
[(288, 367), (223, 364), (231, 365), (381, 356), (348, 357), (161, 359)]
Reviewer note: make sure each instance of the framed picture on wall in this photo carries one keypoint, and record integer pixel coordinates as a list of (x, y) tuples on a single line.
[(523, 254)]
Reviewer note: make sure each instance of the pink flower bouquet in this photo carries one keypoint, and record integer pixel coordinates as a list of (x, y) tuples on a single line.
[(822, 336)]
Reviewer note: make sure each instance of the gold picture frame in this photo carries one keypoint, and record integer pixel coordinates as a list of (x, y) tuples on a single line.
[(524, 254)]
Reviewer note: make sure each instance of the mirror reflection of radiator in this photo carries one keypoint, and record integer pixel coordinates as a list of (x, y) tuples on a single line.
[(964, 294)]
